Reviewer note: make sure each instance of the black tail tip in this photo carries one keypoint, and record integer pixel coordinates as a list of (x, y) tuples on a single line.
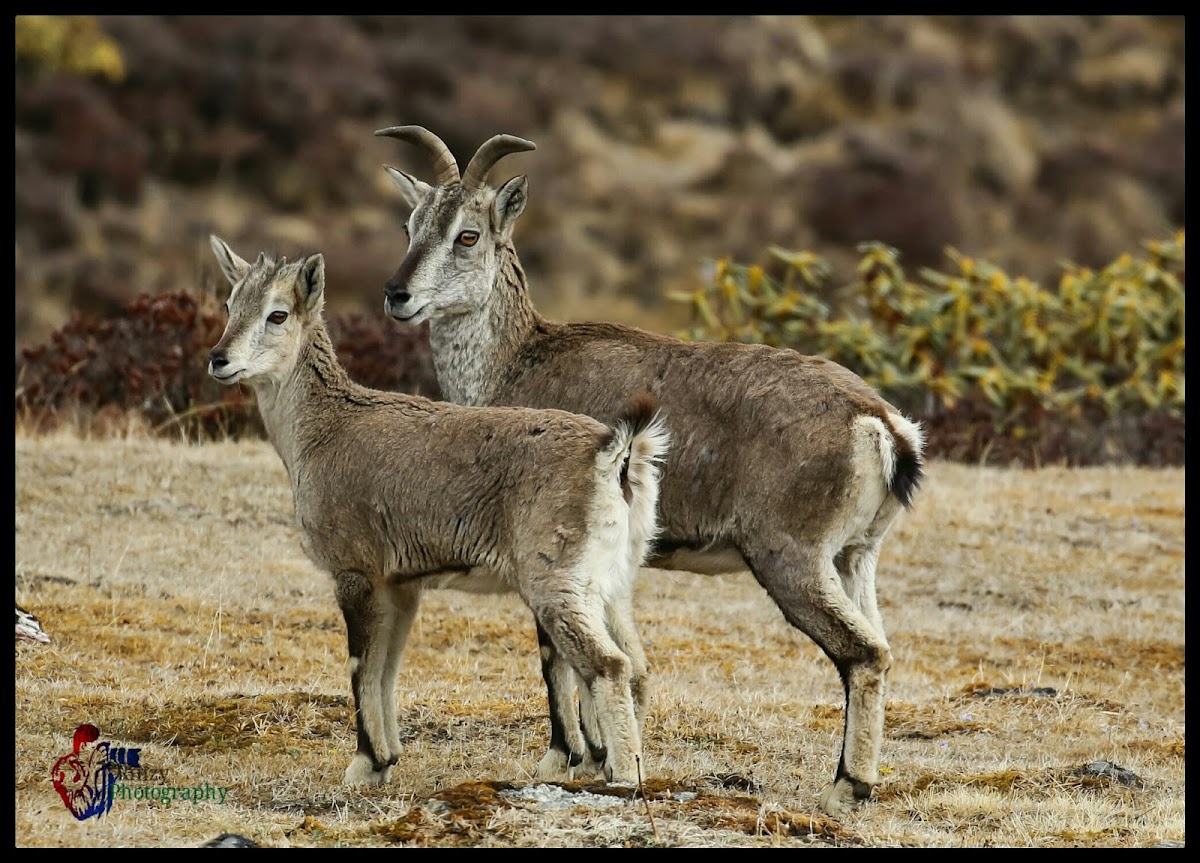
[(906, 476)]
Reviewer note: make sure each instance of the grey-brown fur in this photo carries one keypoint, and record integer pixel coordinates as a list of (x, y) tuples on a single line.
[(785, 464), (397, 494)]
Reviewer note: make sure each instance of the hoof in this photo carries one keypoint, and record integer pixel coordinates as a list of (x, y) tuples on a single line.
[(843, 797), (621, 774), (555, 764), (588, 767), (362, 772)]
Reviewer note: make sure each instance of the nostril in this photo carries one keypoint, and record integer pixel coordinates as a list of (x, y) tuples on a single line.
[(218, 360), (395, 293)]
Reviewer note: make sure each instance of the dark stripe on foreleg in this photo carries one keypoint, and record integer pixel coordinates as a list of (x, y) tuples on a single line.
[(355, 598), (558, 735)]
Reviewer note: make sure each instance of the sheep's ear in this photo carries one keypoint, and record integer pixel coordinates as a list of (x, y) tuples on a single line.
[(509, 204), (311, 282), (232, 266), (413, 190)]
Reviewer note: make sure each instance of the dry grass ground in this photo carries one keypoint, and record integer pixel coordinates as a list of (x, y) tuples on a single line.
[(1037, 621)]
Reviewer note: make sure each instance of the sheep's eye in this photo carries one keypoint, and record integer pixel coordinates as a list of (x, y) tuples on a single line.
[(468, 238), (277, 317)]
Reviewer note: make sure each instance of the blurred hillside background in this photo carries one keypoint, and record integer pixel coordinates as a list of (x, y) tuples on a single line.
[(664, 144)]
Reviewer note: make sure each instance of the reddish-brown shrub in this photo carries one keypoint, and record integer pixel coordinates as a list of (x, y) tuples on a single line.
[(152, 360)]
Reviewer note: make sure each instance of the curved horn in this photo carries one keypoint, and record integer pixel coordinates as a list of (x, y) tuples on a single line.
[(492, 151), (443, 163)]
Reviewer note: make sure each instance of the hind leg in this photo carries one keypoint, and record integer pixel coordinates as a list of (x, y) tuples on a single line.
[(597, 754), (623, 627), (856, 567), (575, 721), (857, 561), (568, 748), (807, 587), (578, 631)]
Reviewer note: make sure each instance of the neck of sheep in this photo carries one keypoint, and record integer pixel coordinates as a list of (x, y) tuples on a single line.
[(471, 350), (292, 406)]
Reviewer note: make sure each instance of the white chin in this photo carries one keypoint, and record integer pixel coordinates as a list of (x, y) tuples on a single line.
[(231, 379), (420, 316)]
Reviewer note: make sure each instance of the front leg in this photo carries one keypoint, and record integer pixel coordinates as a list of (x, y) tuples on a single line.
[(404, 600), (367, 615)]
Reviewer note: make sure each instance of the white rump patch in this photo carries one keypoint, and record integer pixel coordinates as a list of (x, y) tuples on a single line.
[(873, 441), (909, 430)]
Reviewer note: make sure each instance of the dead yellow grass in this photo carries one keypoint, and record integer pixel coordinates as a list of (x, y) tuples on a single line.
[(1037, 621)]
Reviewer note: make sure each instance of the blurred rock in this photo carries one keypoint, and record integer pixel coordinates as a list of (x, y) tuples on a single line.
[(883, 190), (1127, 77), (1001, 153), (663, 141)]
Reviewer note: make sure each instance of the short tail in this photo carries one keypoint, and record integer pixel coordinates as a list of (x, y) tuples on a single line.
[(906, 467), (639, 445)]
